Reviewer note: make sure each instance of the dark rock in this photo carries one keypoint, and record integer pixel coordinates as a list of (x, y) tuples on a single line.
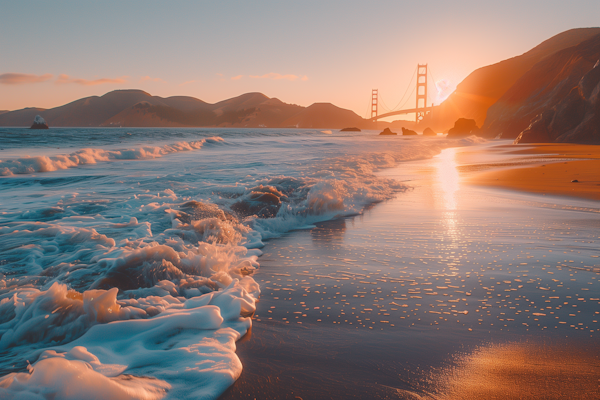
[(39, 123), (537, 131), (429, 132), (262, 201), (574, 119), (589, 82), (574, 181), (408, 132), (387, 131), (463, 127), (289, 186), (195, 210), (353, 129)]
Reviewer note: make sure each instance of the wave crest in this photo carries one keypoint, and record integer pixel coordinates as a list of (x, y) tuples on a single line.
[(30, 165)]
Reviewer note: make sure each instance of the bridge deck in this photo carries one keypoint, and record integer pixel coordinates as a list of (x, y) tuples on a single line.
[(408, 111)]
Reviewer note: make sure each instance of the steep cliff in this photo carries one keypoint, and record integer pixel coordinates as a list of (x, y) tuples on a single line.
[(553, 83), (575, 119), (486, 85)]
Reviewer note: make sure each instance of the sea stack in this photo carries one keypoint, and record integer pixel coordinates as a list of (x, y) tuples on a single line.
[(408, 132), (463, 127), (39, 123), (387, 131)]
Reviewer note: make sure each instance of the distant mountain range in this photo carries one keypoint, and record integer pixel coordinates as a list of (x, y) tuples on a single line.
[(136, 108)]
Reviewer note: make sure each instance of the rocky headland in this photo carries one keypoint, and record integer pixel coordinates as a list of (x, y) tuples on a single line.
[(485, 86), (575, 119), (555, 101)]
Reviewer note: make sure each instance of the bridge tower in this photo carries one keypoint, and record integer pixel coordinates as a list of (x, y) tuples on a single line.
[(374, 94), (421, 91)]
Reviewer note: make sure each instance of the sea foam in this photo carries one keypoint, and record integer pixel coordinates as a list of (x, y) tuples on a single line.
[(30, 165), (137, 283)]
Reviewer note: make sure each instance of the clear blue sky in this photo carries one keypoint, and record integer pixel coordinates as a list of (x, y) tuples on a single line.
[(299, 51)]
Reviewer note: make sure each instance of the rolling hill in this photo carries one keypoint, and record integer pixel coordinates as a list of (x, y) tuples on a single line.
[(136, 108)]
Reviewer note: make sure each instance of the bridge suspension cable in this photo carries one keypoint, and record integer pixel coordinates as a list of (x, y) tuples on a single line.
[(408, 98), (434, 83), (398, 106), (384, 106), (368, 110)]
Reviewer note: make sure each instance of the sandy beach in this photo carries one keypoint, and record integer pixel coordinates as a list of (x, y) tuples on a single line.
[(553, 169), (450, 288)]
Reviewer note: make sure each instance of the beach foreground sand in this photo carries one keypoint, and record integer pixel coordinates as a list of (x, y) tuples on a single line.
[(556, 169), (448, 291)]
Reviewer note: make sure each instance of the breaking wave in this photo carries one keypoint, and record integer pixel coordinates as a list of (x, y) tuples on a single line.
[(141, 290), (30, 165)]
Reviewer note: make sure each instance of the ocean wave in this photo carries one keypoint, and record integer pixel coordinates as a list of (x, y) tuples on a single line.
[(179, 297), (30, 165), (123, 283)]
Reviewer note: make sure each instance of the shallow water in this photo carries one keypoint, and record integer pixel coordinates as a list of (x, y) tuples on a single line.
[(431, 295), (127, 254)]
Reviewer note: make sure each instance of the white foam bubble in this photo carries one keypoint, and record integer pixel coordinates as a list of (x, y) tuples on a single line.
[(143, 293), (187, 351)]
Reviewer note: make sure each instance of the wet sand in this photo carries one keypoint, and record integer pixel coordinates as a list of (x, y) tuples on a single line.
[(525, 371), (556, 169), (431, 295)]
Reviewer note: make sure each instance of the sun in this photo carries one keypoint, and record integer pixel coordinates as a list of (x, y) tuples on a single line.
[(444, 89)]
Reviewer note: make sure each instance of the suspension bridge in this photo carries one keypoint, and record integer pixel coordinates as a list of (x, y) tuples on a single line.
[(421, 108)]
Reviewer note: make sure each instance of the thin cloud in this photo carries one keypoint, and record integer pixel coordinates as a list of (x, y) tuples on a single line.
[(21, 79), (64, 79), (149, 79), (188, 82), (275, 76), (237, 78)]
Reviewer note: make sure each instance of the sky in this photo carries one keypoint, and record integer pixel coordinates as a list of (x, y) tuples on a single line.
[(302, 52)]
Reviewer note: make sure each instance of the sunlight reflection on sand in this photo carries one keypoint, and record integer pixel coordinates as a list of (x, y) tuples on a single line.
[(523, 371)]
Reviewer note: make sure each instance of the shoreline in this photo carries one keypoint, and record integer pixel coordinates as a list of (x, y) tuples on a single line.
[(571, 170), (401, 301)]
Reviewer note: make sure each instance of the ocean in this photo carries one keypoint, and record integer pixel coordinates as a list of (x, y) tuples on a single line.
[(127, 255)]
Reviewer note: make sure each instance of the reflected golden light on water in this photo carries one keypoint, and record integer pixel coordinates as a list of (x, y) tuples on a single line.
[(523, 371), (447, 178), (450, 223), (447, 185)]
